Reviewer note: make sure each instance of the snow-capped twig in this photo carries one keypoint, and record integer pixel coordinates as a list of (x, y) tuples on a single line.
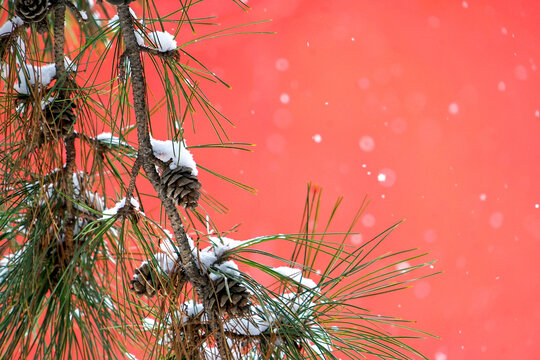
[(174, 54), (145, 146), (163, 41), (116, 209), (176, 151)]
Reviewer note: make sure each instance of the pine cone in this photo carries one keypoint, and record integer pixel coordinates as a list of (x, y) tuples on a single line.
[(147, 281), (182, 186), (31, 10), (217, 297), (42, 26), (60, 116), (144, 281)]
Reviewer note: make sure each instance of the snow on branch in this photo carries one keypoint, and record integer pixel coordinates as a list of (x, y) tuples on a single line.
[(30, 75), (11, 25), (163, 41), (175, 151), (223, 244), (111, 212), (114, 24), (106, 138), (254, 325), (295, 275)]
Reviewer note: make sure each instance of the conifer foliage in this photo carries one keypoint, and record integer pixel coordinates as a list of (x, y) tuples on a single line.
[(86, 273)]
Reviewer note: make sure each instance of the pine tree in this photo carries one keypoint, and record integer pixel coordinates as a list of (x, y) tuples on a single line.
[(85, 273)]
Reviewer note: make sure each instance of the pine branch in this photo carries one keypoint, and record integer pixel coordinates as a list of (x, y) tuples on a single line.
[(59, 39), (145, 151), (147, 158), (69, 138)]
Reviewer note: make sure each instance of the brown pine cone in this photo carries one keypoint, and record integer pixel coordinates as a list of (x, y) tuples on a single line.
[(60, 116), (218, 299), (182, 186), (42, 26), (147, 280), (31, 11), (144, 281)]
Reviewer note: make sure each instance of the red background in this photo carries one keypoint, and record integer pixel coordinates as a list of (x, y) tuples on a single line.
[(448, 93)]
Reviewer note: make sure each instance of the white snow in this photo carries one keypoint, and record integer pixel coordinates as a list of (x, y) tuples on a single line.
[(10, 25), (366, 143), (114, 23), (440, 356), (205, 257), (227, 267), (46, 102), (324, 343), (453, 108), (296, 275), (175, 150), (211, 352), (282, 64), (255, 325), (8, 261), (163, 40), (191, 308), (148, 323), (139, 38), (29, 75), (224, 244), (403, 266), (108, 302), (108, 138), (166, 262), (168, 247), (108, 213), (130, 356), (70, 66)]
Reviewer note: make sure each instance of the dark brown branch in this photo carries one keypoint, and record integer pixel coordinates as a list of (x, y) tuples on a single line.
[(122, 68), (146, 155), (145, 147), (171, 54), (134, 172), (161, 164), (69, 139), (59, 39)]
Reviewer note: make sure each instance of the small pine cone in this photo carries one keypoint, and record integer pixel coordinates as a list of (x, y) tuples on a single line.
[(143, 281), (182, 186), (42, 26), (60, 116), (31, 10), (218, 299)]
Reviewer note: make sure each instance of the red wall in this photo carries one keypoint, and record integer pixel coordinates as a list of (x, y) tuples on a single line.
[(440, 96)]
